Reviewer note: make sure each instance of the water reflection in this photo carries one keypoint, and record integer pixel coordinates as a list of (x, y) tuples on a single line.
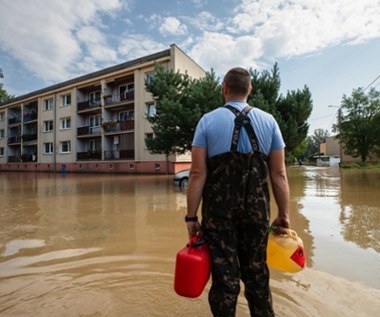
[(104, 245), (343, 213)]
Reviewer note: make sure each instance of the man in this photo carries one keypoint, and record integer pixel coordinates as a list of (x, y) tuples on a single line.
[(229, 174)]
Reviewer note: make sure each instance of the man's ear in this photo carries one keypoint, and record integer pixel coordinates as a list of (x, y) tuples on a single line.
[(224, 89), (250, 90)]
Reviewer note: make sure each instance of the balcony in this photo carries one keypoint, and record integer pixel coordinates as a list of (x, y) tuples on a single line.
[(14, 159), (89, 155), (28, 157), (121, 99), (117, 126), (14, 120), (14, 140), (87, 130), (29, 137), (119, 155), (89, 105), (30, 116)]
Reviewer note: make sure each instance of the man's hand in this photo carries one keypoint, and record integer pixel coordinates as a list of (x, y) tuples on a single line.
[(280, 223), (194, 228)]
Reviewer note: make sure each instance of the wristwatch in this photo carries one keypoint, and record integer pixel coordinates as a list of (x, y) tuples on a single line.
[(191, 218)]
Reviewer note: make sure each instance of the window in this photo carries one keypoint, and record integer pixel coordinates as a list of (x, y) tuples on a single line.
[(2, 134), (48, 148), (126, 115), (65, 147), (95, 121), (2, 116), (48, 126), (66, 100), (149, 77), (94, 98), (151, 110), (1, 151), (94, 145), (65, 123), (125, 89), (48, 104)]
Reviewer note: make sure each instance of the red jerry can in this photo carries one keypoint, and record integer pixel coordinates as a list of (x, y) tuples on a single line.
[(192, 269)]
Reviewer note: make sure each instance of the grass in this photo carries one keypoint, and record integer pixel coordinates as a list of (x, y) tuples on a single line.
[(361, 165)]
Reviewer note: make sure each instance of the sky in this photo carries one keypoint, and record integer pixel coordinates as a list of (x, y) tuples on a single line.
[(330, 46)]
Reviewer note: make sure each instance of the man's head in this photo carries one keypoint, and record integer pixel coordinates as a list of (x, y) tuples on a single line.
[(237, 83)]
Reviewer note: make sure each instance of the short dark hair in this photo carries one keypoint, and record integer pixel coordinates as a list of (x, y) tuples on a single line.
[(238, 80)]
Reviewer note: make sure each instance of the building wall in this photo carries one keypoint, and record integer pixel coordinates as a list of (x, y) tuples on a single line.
[(103, 81), (333, 148)]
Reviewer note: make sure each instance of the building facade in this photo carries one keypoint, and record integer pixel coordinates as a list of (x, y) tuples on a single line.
[(93, 123)]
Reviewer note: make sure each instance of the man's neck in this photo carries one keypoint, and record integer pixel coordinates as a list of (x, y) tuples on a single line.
[(226, 100)]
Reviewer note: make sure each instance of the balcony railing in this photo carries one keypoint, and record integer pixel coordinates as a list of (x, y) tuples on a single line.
[(14, 139), (88, 130), (30, 116), (119, 155), (88, 104), (14, 120), (29, 137), (89, 155), (116, 126), (14, 158), (111, 100)]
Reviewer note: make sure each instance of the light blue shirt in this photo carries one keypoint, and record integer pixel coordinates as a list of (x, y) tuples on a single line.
[(214, 131)]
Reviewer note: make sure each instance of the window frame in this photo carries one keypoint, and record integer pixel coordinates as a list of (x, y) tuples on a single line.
[(50, 148), (65, 123), (48, 104), (149, 113), (66, 100), (63, 144), (46, 123)]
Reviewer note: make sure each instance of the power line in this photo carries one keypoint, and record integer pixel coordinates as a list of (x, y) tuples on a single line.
[(324, 117), (372, 83)]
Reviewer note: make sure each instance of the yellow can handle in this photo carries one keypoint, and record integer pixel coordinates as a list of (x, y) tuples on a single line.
[(289, 232)]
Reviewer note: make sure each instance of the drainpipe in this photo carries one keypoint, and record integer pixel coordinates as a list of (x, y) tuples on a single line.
[(55, 133)]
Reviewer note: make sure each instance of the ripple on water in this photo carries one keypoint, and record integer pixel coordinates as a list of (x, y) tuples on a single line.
[(84, 282)]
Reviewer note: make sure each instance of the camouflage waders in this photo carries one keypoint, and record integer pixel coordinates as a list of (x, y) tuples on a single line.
[(235, 218)]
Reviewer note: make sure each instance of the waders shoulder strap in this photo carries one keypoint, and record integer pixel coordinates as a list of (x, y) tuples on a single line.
[(242, 120)]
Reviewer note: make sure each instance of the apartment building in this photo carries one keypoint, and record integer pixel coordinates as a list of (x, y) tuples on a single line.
[(93, 123)]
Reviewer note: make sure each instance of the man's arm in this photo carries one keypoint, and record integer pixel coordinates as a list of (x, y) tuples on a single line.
[(280, 187), (198, 173)]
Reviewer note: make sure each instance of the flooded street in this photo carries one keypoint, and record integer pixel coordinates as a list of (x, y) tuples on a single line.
[(105, 245)]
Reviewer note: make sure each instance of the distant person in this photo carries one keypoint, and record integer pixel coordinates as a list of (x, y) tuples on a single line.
[(233, 149)]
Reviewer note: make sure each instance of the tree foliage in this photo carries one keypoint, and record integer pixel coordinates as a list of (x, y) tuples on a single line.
[(291, 111), (358, 124), (180, 103), (3, 93)]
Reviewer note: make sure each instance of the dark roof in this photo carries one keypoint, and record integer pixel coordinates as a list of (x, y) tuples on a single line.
[(98, 73)]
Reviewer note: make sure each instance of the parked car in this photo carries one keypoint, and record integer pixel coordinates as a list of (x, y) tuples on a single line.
[(181, 178)]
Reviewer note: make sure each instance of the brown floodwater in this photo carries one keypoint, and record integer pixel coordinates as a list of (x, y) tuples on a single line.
[(105, 245)]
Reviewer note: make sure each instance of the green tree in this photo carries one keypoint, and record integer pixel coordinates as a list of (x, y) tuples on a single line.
[(4, 97), (291, 111), (300, 151), (358, 123), (316, 140), (180, 103)]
